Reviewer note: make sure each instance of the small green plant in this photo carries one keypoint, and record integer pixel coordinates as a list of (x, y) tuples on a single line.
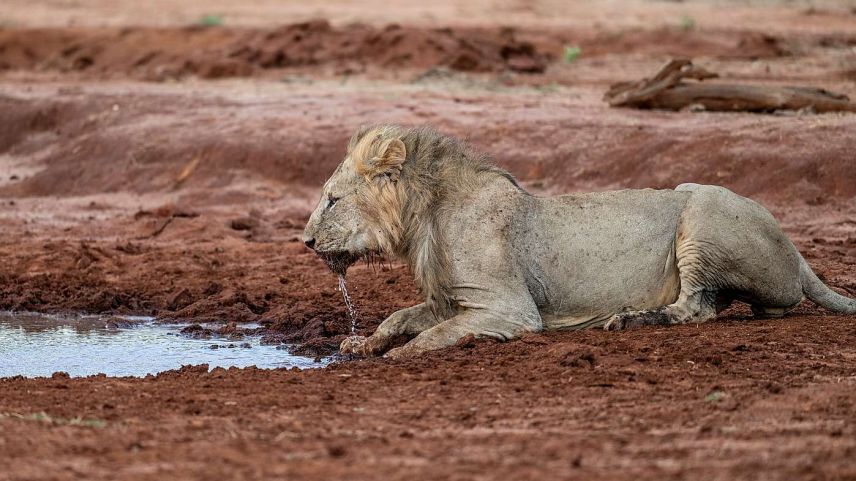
[(571, 53), (687, 22), (211, 20), (714, 396), (548, 88)]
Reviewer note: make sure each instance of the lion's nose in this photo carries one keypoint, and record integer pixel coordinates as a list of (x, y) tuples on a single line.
[(310, 242)]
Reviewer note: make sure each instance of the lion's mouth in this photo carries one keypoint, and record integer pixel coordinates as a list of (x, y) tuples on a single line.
[(339, 261)]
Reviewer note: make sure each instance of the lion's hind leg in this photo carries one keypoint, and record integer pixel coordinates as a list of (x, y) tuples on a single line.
[(697, 263), (697, 306), (726, 247)]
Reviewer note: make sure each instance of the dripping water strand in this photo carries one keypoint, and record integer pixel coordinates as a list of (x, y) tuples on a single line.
[(352, 312)]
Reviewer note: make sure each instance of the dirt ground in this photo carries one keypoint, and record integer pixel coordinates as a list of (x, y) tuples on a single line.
[(152, 165)]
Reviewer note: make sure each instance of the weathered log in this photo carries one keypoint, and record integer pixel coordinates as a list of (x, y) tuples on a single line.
[(667, 90)]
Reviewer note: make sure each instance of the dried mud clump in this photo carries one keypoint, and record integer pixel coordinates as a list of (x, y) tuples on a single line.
[(210, 53)]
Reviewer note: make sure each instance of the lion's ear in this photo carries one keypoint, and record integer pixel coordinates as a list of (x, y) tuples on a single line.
[(388, 159)]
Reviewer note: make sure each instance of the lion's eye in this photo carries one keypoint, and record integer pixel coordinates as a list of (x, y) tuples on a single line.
[(331, 201)]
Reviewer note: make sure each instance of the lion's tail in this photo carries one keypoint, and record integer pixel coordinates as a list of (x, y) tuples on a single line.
[(817, 291)]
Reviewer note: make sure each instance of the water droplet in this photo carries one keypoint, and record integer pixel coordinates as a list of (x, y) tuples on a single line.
[(352, 312)]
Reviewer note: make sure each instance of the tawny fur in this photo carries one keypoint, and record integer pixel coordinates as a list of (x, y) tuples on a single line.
[(405, 210)]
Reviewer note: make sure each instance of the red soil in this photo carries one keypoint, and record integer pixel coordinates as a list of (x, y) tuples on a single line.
[(730, 400), (316, 46), (186, 200)]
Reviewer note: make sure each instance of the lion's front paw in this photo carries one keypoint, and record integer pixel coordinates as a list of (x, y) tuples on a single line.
[(353, 345), (365, 346)]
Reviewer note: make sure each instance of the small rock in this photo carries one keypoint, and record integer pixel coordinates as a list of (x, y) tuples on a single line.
[(195, 331), (336, 450), (212, 288), (573, 359), (244, 223), (180, 300)]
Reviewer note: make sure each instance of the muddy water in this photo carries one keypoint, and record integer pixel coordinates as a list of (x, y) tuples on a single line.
[(35, 345)]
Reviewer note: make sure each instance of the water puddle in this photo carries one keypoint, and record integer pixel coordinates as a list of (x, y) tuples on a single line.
[(35, 345)]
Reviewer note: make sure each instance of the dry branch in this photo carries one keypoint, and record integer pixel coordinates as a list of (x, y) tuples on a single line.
[(667, 90)]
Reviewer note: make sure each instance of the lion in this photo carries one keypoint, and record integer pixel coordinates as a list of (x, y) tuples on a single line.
[(493, 260)]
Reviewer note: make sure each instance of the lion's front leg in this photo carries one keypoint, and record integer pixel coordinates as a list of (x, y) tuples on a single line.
[(410, 321), (474, 321)]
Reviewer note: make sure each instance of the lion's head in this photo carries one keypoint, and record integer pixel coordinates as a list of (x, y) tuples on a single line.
[(359, 212), (389, 196)]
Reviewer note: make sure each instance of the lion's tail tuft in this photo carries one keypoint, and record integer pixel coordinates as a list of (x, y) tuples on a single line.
[(817, 291)]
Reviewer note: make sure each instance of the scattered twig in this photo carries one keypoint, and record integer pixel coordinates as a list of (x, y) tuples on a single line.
[(186, 171), (160, 229)]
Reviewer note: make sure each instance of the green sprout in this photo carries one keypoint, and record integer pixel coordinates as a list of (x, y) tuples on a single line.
[(211, 20), (714, 396), (571, 53), (687, 22)]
